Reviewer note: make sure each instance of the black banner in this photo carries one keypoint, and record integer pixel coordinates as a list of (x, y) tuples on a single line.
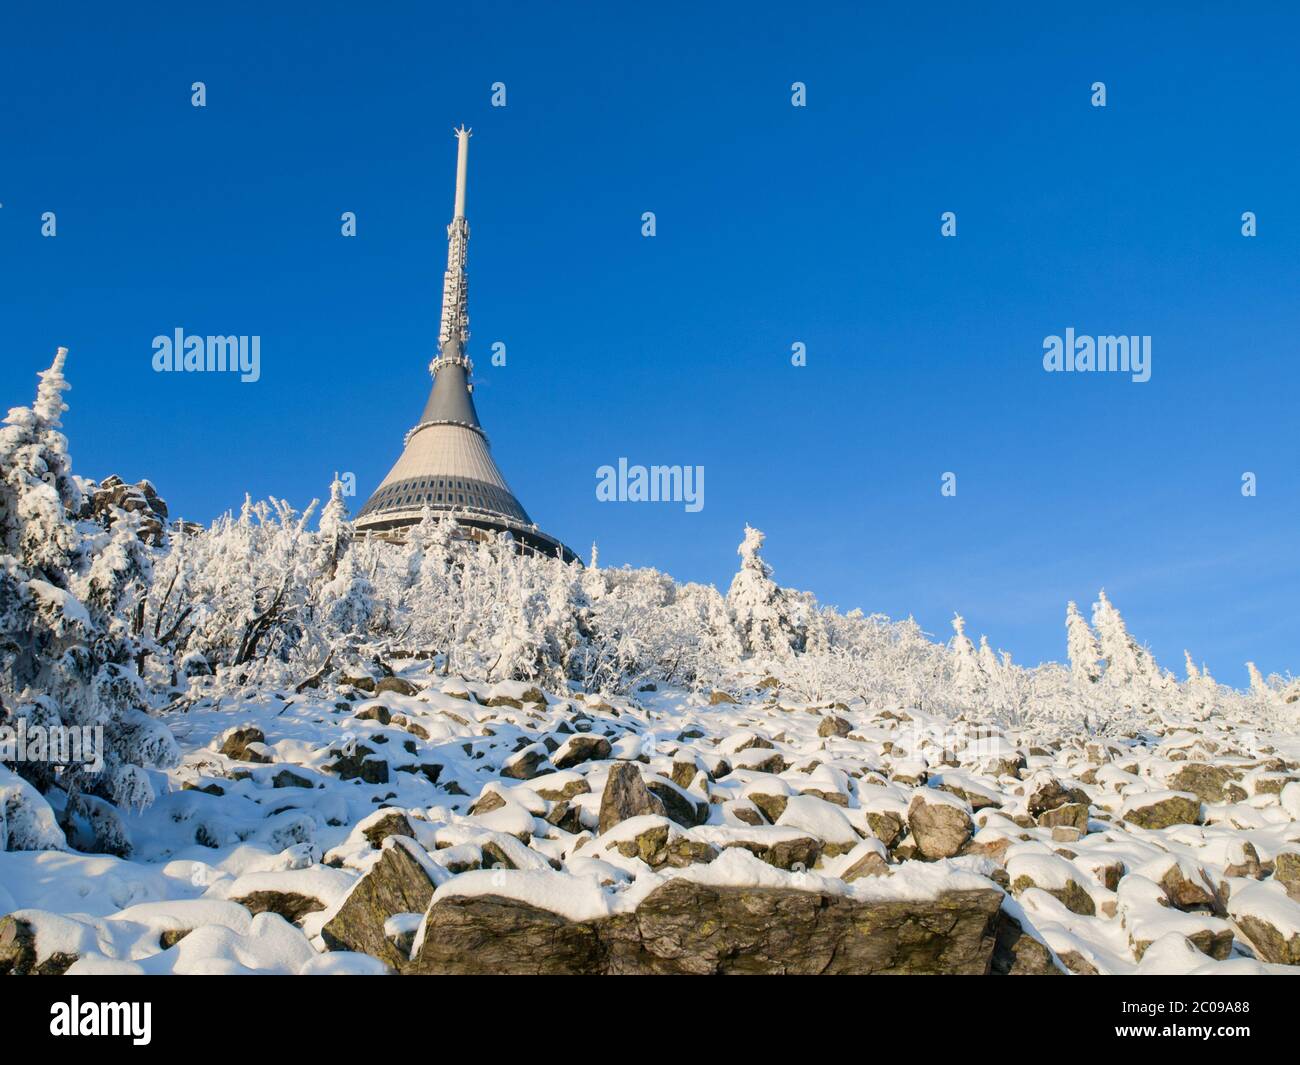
[(268, 1014)]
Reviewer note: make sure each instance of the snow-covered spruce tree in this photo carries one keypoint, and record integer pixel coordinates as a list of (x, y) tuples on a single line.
[(770, 621), (432, 599), (1201, 692), (1258, 685), (346, 600), (1126, 662), (1082, 647), (69, 642), (334, 533), (343, 603), (1010, 690), (565, 609), (989, 664), (967, 674), (510, 621), (889, 664)]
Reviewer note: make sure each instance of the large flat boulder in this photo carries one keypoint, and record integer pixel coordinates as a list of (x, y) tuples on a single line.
[(687, 928), (684, 927)]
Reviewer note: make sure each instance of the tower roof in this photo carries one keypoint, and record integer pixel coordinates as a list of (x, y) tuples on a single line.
[(446, 465)]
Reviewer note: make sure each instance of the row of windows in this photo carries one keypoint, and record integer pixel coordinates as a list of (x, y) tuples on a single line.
[(448, 491)]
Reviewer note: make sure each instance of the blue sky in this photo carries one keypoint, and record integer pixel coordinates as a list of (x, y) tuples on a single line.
[(776, 224)]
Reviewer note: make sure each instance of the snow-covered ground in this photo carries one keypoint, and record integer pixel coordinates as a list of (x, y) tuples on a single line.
[(1175, 850)]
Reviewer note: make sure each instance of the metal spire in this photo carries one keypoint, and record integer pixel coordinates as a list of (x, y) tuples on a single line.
[(454, 332)]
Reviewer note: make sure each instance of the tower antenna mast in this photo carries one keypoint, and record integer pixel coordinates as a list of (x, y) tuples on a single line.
[(453, 335)]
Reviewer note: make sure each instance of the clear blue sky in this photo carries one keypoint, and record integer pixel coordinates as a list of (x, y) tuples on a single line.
[(775, 225)]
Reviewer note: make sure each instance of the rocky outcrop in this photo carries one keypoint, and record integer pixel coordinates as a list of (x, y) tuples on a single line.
[(1270, 943), (1270, 920), (357, 764), (398, 883), (528, 695), (102, 502), (625, 796), (391, 823), (1067, 815), (486, 935), (678, 806), (688, 928), (1286, 871)]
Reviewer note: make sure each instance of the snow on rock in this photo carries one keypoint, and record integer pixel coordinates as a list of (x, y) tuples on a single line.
[(576, 898), (1269, 918), (822, 821), (1053, 874), (1289, 798)]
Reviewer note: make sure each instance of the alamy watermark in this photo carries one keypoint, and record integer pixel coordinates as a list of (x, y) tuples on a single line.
[(61, 745), (76, 1018), (1114, 354), (651, 484), (179, 353)]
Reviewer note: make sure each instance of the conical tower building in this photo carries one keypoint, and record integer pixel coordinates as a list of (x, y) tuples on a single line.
[(446, 465)]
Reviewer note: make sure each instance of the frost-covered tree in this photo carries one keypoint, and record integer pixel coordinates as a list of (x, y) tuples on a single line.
[(37, 488), (70, 594), (1258, 684), (1201, 691), (771, 622), (335, 532), (1126, 662), (968, 675), (1082, 647), (347, 599), (1011, 690), (989, 664)]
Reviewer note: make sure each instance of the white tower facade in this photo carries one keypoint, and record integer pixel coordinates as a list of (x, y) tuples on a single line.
[(446, 465)]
